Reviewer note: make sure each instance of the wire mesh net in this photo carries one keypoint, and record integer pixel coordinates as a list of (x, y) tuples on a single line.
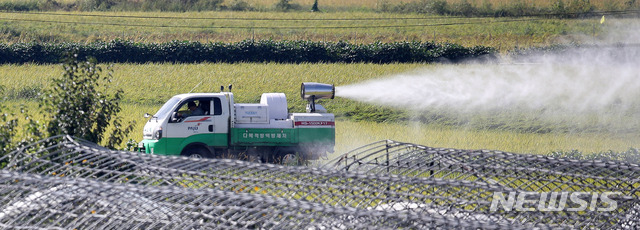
[(67, 183)]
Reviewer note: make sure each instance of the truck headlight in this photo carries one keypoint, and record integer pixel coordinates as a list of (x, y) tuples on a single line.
[(157, 134)]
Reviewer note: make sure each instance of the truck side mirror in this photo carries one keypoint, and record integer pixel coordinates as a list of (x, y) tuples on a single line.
[(174, 117)]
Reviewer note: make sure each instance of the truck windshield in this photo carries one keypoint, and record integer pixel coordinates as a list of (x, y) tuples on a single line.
[(167, 108)]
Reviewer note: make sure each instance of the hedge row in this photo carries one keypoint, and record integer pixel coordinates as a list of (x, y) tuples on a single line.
[(120, 51)]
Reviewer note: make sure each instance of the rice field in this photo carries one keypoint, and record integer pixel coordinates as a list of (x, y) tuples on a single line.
[(369, 5), (375, 3), (146, 87), (503, 34)]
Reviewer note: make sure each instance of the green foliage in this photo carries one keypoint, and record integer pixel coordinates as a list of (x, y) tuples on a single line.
[(580, 7), (157, 5), (244, 51), (131, 145), (286, 5), (440, 7), (7, 132), (240, 5), (80, 104), (575, 8), (32, 131), (384, 6), (464, 8), (19, 5), (9, 127), (486, 8)]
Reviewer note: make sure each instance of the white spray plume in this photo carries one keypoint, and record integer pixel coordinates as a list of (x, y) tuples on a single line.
[(591, 79), (576, 88)]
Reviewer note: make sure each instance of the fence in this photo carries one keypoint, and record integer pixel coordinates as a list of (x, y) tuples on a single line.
[(67, 183)]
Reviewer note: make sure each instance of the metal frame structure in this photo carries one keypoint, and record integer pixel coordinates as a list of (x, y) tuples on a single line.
[(66, 183)]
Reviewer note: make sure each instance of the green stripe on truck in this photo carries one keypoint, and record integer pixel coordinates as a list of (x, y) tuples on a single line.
[(173, 146)]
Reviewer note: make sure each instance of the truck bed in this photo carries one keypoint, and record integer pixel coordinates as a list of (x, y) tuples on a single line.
[(298, 129)]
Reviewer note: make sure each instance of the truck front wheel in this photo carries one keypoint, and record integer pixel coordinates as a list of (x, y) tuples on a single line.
[(196, 152)]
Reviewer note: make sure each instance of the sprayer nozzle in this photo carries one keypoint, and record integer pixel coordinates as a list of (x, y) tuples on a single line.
[(313, 90)]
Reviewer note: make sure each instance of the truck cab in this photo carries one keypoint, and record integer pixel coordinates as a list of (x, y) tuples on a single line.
[(219, 127), (173, 129)]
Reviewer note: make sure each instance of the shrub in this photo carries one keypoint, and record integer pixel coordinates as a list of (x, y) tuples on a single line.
[(19, 5), (206, 5), (519, 8), (580, 7), (244, 51), (7, 132), (464, 8), (558, 9), (439, 7), (80, 104), (286, 5), (384, 6), (240, 5)]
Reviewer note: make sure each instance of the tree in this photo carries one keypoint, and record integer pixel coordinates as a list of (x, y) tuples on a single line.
[(80, 104)]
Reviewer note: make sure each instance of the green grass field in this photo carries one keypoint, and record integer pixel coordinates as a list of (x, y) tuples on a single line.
[(503, 34), (146, 87)]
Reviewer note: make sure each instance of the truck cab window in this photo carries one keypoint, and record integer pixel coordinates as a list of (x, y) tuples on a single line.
[(217, 106), (196, 107)]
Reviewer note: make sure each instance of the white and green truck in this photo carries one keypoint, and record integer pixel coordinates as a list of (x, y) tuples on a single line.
[(219, 127)]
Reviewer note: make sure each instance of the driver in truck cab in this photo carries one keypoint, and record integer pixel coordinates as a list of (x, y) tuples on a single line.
[(194, 110)]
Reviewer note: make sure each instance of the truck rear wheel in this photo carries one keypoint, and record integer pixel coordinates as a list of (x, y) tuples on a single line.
[(196, 152), (290, 159), (288, 156)]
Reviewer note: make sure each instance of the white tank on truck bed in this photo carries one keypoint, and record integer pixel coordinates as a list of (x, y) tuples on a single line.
[(277, 103), (272, 112)]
